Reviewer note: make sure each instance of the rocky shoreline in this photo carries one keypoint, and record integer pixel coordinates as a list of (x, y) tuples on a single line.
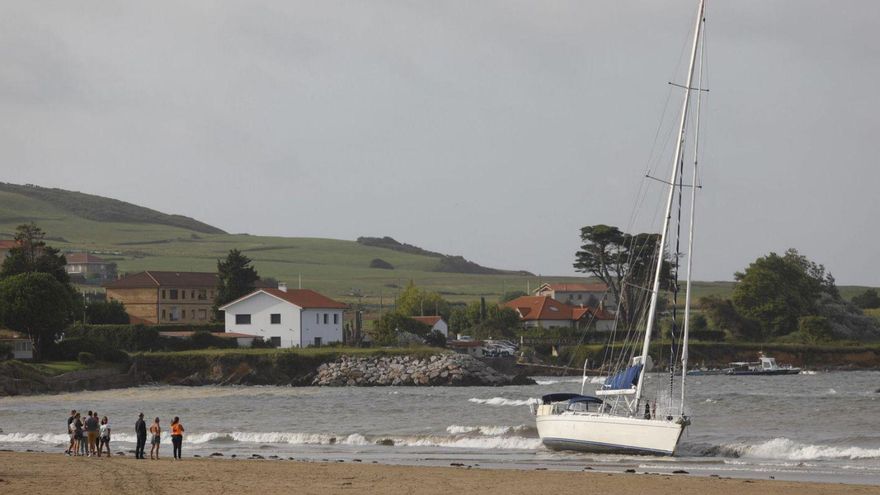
[(437, 370), (441, 369)]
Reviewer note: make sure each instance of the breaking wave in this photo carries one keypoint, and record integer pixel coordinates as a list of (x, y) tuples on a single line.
[(490, 431), (469, 437), (789, 450), (560, 380), (501, 401)]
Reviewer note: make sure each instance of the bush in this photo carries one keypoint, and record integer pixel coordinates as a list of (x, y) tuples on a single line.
[(436, 339), (86, 358), (114, 356), (206, 340), (5, 352), (382, 264), (707, 335)]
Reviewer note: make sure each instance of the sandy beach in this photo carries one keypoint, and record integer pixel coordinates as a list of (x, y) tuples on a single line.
[(51, 473)]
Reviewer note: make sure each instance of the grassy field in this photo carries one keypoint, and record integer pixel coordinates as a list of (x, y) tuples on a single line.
[(338, 268)]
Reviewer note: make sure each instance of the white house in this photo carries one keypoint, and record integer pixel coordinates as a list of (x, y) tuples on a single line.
[(286, 318), (435, 322), (21, 348)]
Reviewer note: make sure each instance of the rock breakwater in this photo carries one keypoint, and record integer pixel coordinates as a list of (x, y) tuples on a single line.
[(436, 370)]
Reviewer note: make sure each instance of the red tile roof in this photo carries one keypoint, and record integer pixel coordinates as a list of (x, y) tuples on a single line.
[(83, 259), (428, 320), (540, 308), (304, 298), (152, 278), (533, 308)]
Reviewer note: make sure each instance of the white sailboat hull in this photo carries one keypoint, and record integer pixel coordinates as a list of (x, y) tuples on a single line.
[(609, 434)]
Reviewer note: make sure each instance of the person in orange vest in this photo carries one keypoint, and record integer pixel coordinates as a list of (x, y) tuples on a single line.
[(176, 436)]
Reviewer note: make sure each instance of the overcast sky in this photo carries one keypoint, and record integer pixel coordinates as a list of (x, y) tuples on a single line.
[(490, 129)]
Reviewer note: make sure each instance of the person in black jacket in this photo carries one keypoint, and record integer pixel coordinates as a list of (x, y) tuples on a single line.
[(140, 429)]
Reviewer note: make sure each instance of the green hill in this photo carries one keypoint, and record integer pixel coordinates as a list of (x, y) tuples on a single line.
[(138, 238)]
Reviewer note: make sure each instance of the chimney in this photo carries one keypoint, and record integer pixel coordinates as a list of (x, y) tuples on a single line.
[(282, 286)]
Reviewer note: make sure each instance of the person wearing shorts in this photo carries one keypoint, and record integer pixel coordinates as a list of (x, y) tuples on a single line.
[(155, 438)]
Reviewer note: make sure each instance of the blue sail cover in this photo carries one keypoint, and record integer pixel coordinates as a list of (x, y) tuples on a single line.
[(625, 379)]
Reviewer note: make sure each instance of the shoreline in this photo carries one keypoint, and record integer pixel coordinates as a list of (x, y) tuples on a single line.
[(22, 472)]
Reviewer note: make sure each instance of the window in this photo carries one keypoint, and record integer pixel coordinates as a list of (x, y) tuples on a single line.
[(183, 294), (192, 314), (192, 294), (172, 294), (203, 314), (326, 318), (163, 293), (242, 319), (317, 317), (275, 318), (335, 318), (203, 294), (276, 341), (163, 314), (318, 341), (173, 315)]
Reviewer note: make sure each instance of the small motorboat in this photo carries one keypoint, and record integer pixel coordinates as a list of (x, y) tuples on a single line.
[(766, 366)]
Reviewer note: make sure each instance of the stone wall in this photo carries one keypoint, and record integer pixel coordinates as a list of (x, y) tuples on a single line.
[(437, 370)]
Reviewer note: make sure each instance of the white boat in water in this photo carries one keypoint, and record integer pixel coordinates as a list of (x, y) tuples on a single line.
[(621, 417)]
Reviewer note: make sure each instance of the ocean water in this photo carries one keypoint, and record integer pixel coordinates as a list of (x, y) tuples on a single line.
[(814, 426)]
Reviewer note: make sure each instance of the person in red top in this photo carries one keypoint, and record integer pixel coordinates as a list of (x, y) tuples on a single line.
[(176, 436)]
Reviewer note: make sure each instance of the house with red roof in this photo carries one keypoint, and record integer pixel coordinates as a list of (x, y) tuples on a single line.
[(286, 317), (435, 322), (546, 312), (578, 294)]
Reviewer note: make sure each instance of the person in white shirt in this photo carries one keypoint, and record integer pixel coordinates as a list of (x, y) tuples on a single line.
[(104, 436)]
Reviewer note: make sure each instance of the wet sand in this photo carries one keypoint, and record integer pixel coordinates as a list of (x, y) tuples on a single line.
[(56, 473)]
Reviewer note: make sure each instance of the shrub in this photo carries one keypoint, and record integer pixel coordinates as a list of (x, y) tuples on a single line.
[(205, 340), (114, 356), (86, 358), (382, 264)]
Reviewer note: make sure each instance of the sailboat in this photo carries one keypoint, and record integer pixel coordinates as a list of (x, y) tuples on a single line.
[(620, 417)]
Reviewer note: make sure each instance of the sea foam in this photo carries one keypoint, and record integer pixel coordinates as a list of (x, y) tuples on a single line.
[(786, 449), (501, 401)]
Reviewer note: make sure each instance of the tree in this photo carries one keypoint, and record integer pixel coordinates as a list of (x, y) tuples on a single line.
[(35, 304), (31, 254), (386, 328), (815, 329), (106, 313), (236, 278), (777, 290), (481, 320), (624, 262), (725, 317), (867, 300), (417, 302)]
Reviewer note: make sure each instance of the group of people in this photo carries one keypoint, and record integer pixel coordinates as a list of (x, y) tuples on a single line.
[(155, 430), (90, 436)]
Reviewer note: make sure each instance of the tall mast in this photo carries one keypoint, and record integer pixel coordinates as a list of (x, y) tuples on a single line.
[(675, 167), (690, 251)]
